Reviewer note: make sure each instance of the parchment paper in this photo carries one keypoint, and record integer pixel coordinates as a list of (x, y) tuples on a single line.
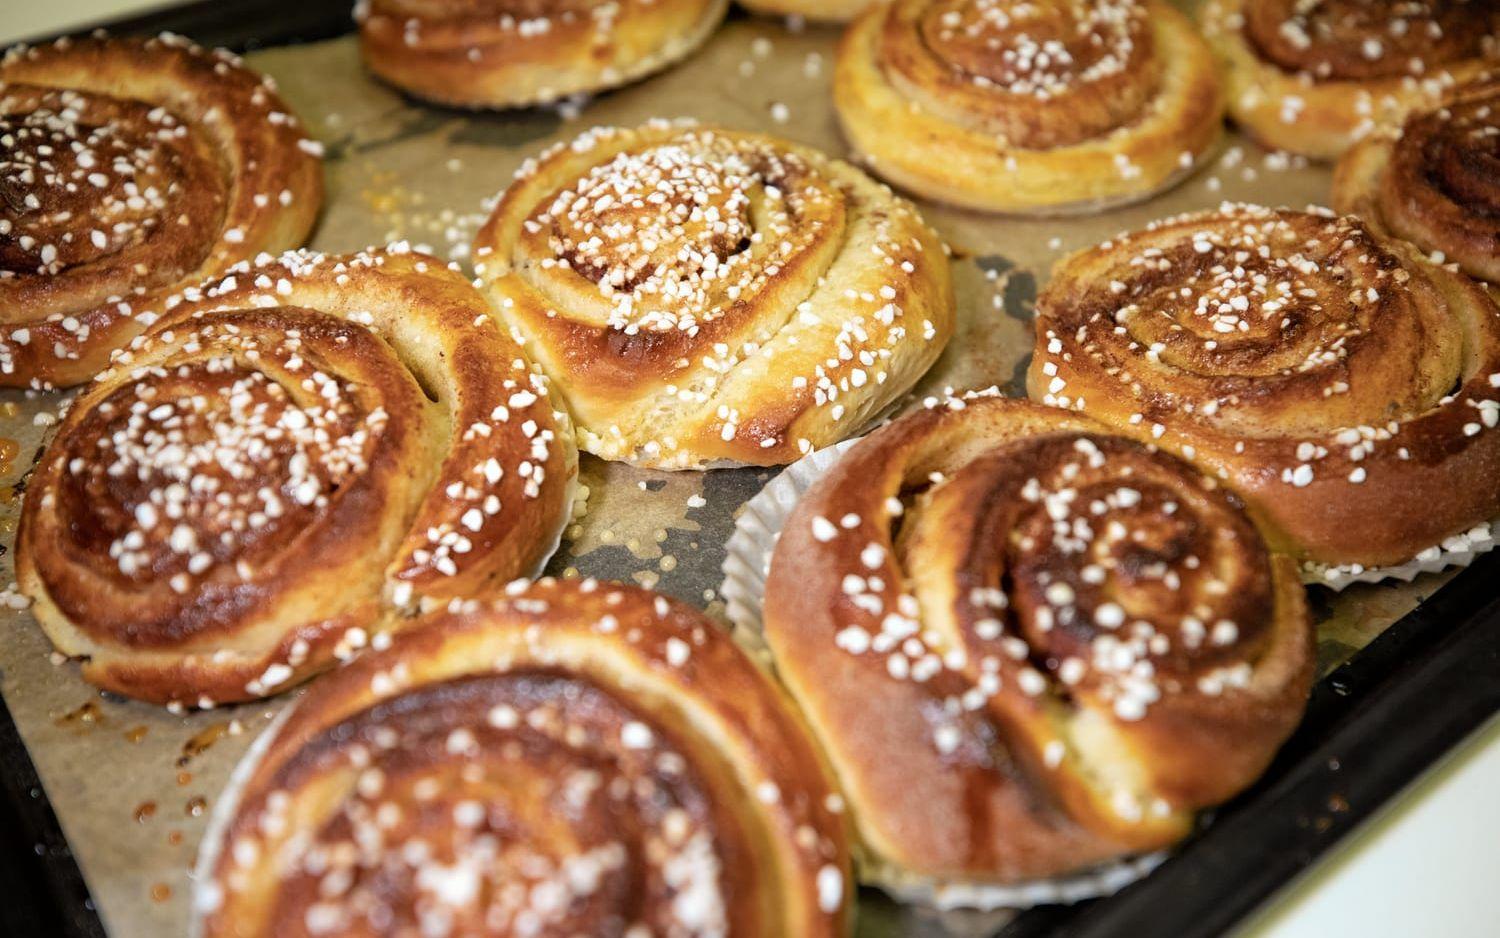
[(126, 779)]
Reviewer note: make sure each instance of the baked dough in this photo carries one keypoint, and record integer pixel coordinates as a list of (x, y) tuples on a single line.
[(1346, 388), (133, 169), (1030, 645), (284, 468), (1316, 77), (1028, 106), (513, 53), (575, 758), (1434, 180), (703, 296)]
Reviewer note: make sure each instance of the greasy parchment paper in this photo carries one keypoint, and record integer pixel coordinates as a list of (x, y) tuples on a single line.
[(132, 784)]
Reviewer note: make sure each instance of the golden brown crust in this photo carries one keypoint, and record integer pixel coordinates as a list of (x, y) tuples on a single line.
[(1346, 388), (163, 164), (701, 295), (577, 758), (511, 53), (274, 435), (820, 11), (1315, 79), (928, 102), (1435, 180), (1029, 645)]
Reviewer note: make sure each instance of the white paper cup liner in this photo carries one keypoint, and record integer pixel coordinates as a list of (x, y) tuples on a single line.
[(207, 896), (987, 897), (747, 558), (575, 496), (1460, 550), (746, 565), (575, 505)]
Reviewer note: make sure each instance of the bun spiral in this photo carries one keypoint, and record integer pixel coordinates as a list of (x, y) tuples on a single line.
[(1434, 181), (133, 169), (1316, 77), (574, 759), (310, 421), (511, 53), (1033, 106), (1029, 645), (701, 296), (1347, 389)]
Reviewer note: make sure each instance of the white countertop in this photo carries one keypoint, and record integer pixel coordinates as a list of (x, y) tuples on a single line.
[(1424, 867)]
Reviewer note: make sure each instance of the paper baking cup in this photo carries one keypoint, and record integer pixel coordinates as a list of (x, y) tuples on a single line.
[(985, 897), (207, 895), (576, 500), (1460, 550), (575, 496), (748, 553), (746, 565)]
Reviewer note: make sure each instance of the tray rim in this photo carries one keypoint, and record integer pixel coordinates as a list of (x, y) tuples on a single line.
[(1391, 703)]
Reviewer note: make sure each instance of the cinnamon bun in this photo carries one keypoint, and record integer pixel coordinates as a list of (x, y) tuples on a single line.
[(1028, 106), (1435, 180), (1316, 77), (132, 169), (266, 480), (576, 758), (1344, 386), (512, 53), (1030, 645), (701, 296)]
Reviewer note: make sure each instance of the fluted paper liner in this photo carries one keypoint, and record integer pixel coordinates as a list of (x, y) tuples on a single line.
[(1460, 550)]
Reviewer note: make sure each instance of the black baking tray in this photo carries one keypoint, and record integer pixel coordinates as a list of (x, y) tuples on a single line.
[(1373, 725)]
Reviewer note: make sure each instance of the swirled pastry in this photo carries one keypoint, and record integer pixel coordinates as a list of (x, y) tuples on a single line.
[(1029, 645), (511, 53), (822, 11), (1434, 181), (575, 759), (1033, 106), (262, 482), (701, 295), (1345, 387), (1315, 76), (131, 169)]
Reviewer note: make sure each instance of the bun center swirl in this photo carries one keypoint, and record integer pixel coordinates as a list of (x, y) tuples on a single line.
[(1224, 316), (1071, 641), (577, 758), (188, 482), (528, 803), (1435, 180), (1355, 40), (1455, 151), (205, 463), (680, 233), (90, 182), (1107, 568), (1003, 65)]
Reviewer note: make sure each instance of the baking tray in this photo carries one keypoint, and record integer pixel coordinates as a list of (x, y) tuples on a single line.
[(1409, 671)]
